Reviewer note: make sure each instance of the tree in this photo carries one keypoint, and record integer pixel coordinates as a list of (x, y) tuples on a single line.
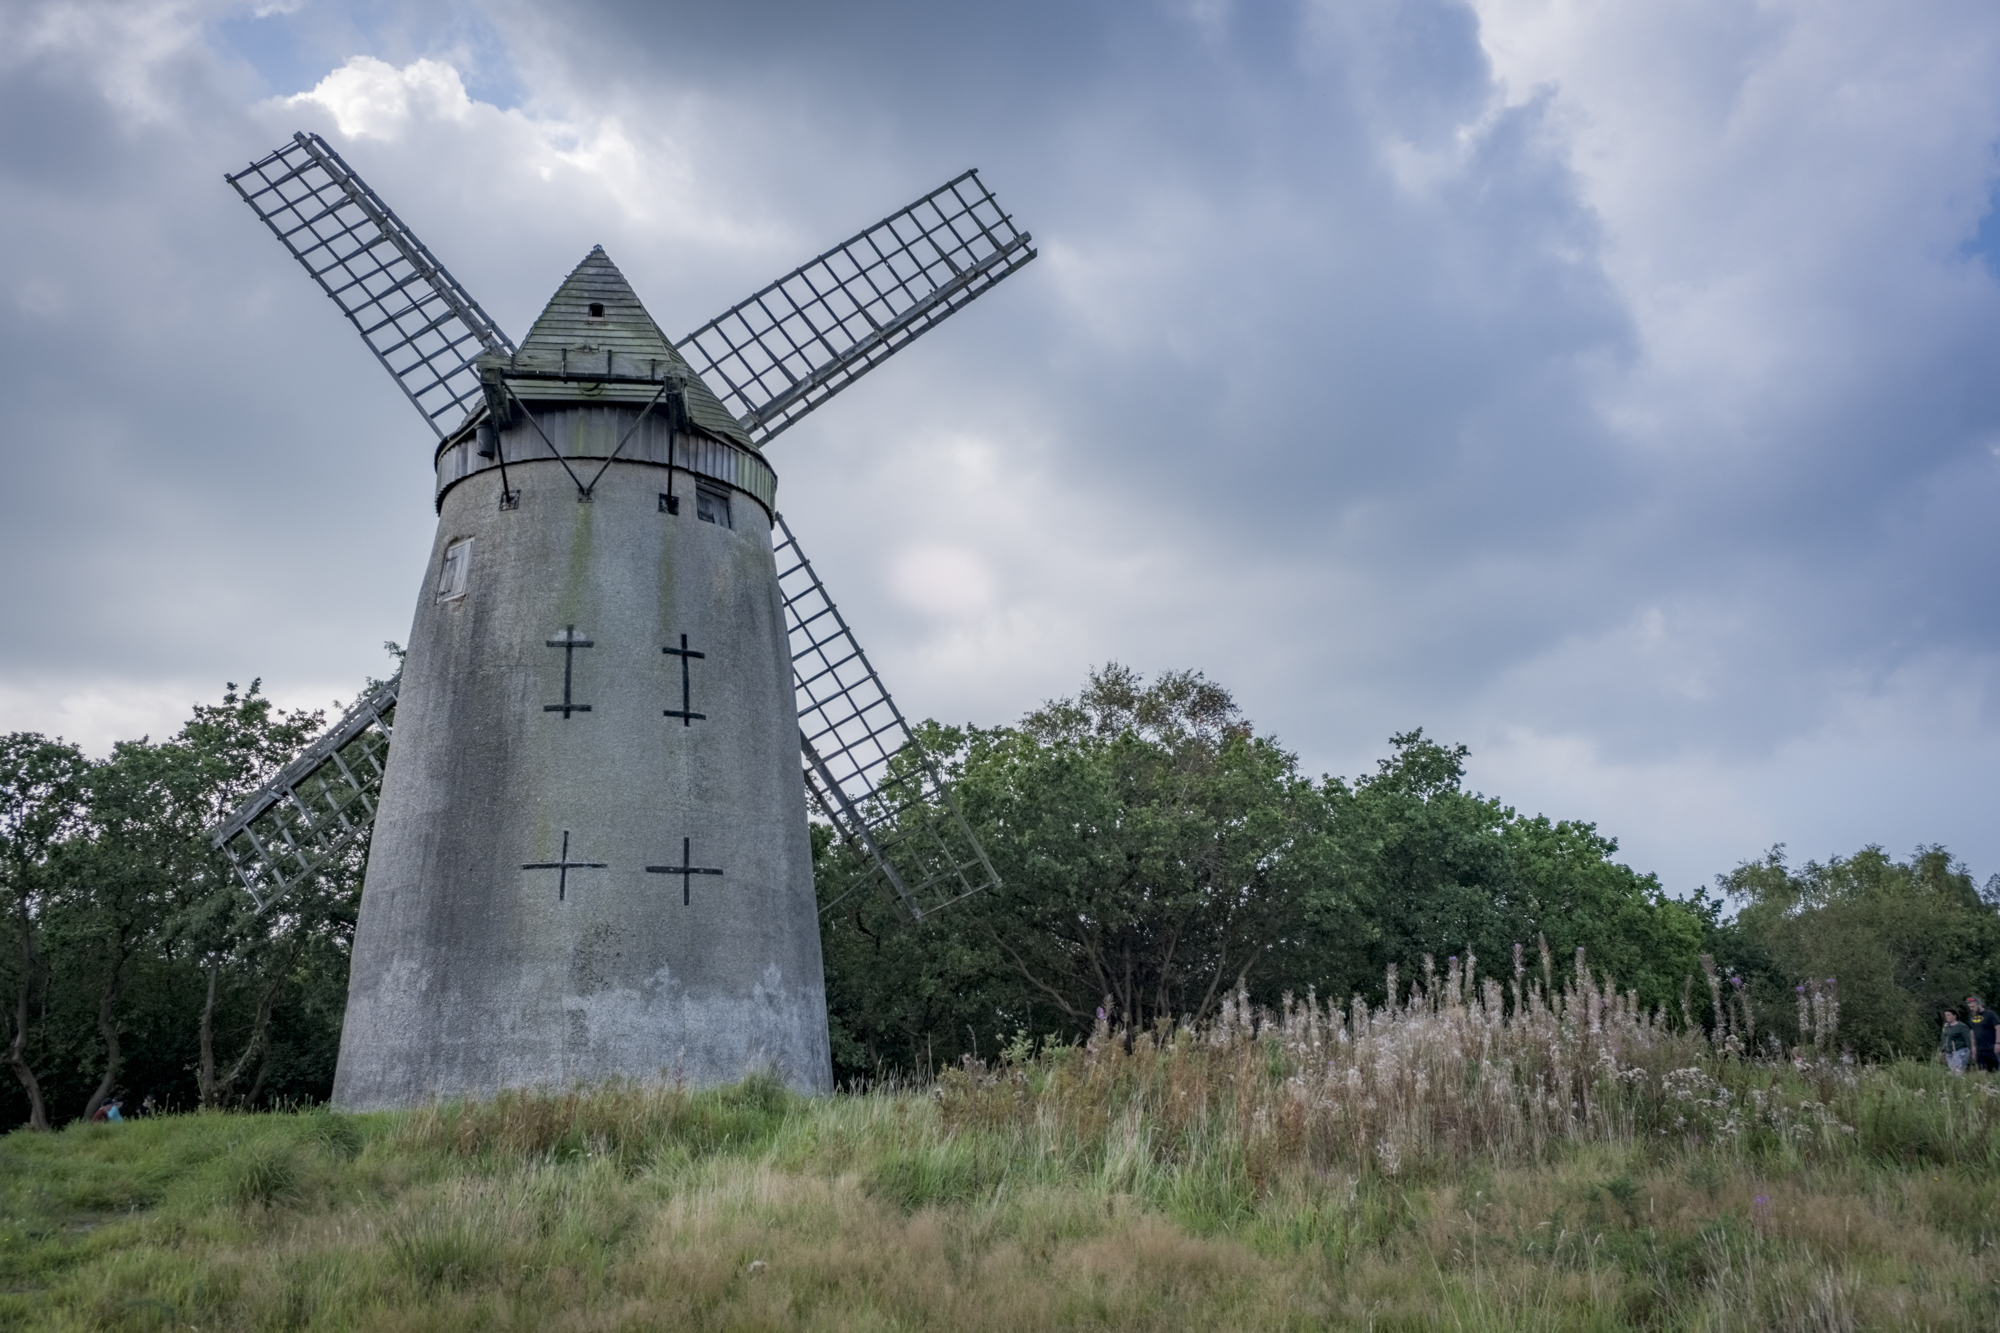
[(1151, 850), (228, 750), (1418, 867), (107, 905), (1421, 866), (1567, 889), (1157, 855), (1902, 939), (145, 966), (41, 800)]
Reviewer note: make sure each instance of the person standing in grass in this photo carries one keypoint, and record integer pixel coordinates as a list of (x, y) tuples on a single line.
[(1955, 1046), (1981, 1023)]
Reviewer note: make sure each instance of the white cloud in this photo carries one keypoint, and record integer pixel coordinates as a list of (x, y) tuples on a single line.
[(947, 582), (555, 162), (372, 98), (1780, 183), (97, 713)]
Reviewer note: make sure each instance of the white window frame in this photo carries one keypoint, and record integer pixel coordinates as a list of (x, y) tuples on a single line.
[(454, 570)]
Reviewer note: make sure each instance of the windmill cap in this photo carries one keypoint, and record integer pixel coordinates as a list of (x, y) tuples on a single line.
[(595, 321)]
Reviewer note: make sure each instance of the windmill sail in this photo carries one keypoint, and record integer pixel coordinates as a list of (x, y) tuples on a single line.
[(863, 768), (788, 348), (773, 358), (315, 807), (422, 326)]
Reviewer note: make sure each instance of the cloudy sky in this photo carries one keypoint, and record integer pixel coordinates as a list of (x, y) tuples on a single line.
[(1607, 384)]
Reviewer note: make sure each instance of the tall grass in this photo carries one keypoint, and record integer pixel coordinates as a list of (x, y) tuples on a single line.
[(1451, 1071), (627, 1123), (1531, 1152)]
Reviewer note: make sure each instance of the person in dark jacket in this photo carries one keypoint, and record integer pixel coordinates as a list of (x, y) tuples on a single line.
[(1983, 1030)]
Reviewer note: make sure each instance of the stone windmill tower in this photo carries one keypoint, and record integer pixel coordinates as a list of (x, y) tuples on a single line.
[(589, 852)]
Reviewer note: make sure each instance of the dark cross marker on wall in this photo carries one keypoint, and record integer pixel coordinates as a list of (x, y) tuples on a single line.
[(684, 869), (569, 643), (566, 865), (687, 718)]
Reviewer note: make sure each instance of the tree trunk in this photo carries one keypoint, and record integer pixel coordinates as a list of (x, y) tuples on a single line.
[(215, 1090), (204, 1076), (107, 1027), (260, 1028), (257, 1084), (17, 1054)]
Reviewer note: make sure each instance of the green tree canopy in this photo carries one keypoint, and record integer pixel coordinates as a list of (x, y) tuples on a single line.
[(1157, 855), (1425, 867), (147, 969), (41, 804), (1902, 939)]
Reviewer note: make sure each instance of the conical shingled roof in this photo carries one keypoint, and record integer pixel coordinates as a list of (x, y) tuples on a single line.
[(622, 340)]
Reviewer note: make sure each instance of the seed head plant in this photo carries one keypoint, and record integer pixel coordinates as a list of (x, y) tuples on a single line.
[(1452, 1069)]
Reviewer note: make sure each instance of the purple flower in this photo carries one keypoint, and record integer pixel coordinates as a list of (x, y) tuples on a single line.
[(1100, 1013), (1800, 988)]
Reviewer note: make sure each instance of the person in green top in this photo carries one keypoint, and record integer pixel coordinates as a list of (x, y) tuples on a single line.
[(1956, 1045)]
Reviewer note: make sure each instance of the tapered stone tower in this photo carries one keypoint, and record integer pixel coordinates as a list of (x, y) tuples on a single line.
[(590, 857), (589, 853)]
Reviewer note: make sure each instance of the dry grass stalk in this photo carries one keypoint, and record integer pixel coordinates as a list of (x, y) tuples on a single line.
[(1452, 1069)]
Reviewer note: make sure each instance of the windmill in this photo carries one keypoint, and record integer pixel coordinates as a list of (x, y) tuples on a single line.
[(588, 845)]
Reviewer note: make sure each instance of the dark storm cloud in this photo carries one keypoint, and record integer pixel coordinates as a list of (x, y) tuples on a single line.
[(1591, 384), (1290, 315)]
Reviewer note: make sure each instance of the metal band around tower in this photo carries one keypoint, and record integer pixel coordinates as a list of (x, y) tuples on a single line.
[(690, 451)]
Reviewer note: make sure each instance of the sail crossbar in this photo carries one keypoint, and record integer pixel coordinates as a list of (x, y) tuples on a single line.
[(421, 325), (788, 347), (315, 808), (864, 769)]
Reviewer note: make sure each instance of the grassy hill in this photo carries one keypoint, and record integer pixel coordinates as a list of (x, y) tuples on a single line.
[(1567, 1164)]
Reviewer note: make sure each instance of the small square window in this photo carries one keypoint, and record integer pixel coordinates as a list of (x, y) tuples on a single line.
[(712, 506), (452, 573)]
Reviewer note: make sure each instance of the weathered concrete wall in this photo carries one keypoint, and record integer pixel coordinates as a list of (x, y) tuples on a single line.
[(470, 973)]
